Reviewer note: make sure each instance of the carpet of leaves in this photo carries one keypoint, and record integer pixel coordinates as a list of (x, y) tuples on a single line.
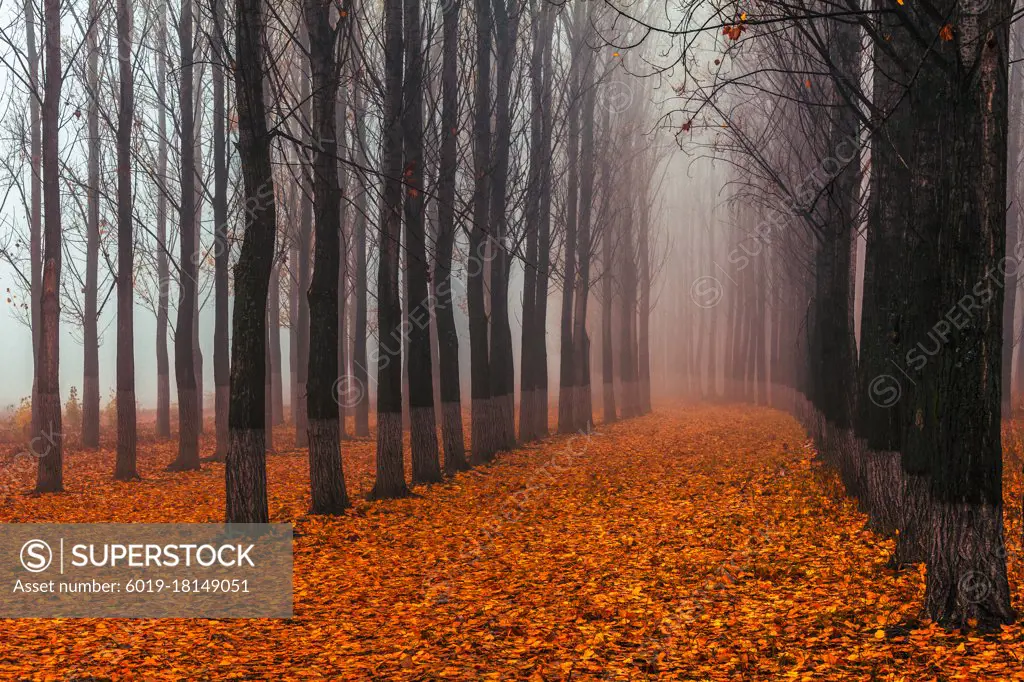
[(699, 542)]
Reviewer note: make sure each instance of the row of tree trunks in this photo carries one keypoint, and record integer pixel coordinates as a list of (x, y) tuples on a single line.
[(927, 463)]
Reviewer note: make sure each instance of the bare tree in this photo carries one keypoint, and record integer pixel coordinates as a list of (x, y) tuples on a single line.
[(47, 428), (126, 439)]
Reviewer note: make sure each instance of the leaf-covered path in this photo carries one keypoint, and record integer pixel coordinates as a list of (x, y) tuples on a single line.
[(698, 542)]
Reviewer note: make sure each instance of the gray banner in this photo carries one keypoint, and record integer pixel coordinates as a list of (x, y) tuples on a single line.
[(145, 570)]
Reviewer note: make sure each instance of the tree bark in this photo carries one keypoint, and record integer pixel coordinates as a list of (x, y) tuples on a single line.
[(426, 467), (246, 472), (163, 372), (878, 424), (327, 482), (274, 373), (540, 364), (567, 372), (583, 413), (607, 350), (221, 249), (276, 380), (344, 242), (533, 396), (35, 196), (482, 426), (501, 363), (90, 335), (447, 334), (125, 469), (966, 577), (644, 333), (1016, 89), (390, 481), (47, 437), (184, 360), (360, 391), (197, 350), (305, 232)]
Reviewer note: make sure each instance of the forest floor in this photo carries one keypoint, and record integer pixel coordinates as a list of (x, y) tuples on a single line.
[(698, 542)]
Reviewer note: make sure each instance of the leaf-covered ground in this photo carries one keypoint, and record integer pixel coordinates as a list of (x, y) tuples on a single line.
[(700, 542)]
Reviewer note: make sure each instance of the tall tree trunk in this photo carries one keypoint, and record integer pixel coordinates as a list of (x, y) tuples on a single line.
[(482, 426), (540, 364), (344, 244), (327, 483), (47, 431), (607, 359), (90, 335), (275, 367), (305, 232), (833, 350), (184, 359), (567, 372), (274, 373), (527, 418), (197, 351), (761, 378), (581, 340), (502, 370), (447, 334), (35, 198), (966, 576), (221, 249), (359, 392), (293, 329), (627, 267), (1016, 92), (390, 470), (246, 470), (268, 375), (163, 371), (426, 467), (125, 469), (885, 295), (644, 337)]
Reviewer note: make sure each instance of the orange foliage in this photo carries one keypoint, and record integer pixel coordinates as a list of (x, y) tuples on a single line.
[(695, 543)]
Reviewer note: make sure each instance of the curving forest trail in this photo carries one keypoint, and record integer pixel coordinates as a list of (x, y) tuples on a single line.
[(698, 542)]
